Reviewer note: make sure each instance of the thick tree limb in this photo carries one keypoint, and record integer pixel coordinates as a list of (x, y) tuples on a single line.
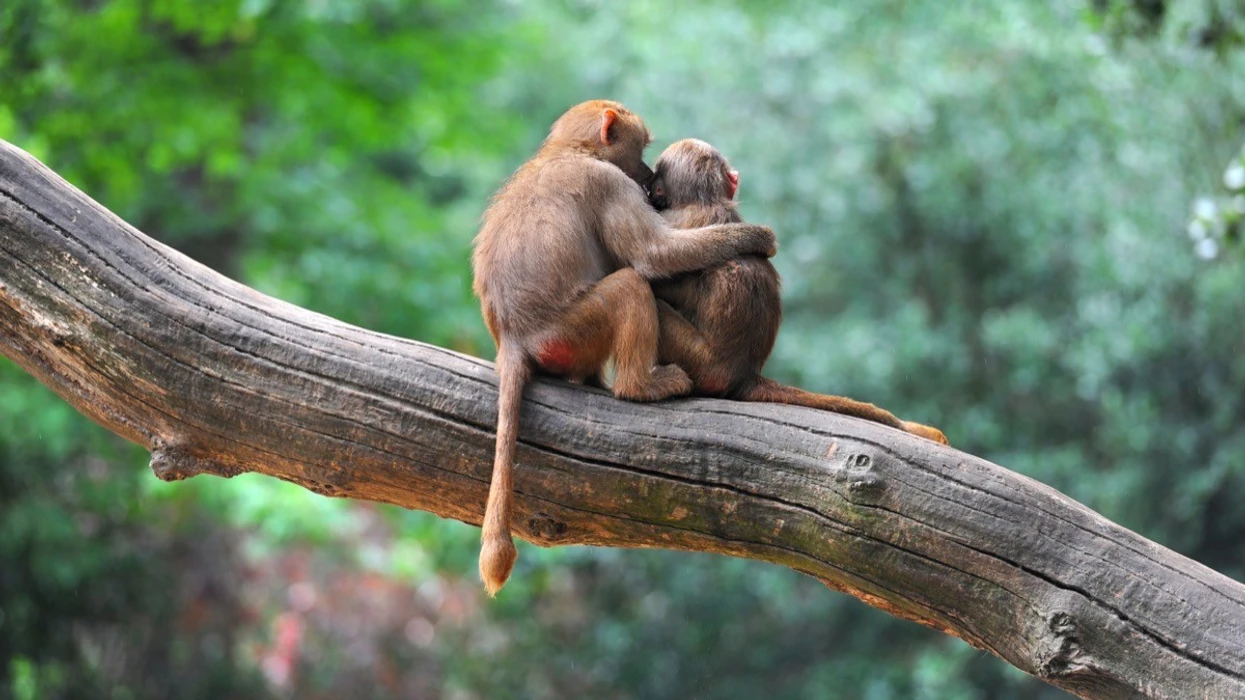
[(216, 378)]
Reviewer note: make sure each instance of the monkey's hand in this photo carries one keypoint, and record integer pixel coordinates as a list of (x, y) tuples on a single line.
[(757, 240)]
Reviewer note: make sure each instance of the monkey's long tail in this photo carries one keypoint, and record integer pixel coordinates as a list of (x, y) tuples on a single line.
[(497, 552), (770, 391)]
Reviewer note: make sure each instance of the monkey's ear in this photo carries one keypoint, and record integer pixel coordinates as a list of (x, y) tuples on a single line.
[(607, 121), (732, 183)]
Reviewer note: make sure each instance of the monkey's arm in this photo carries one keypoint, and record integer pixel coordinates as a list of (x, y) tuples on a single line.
[(638, 236), (680, 292), (670, 252)]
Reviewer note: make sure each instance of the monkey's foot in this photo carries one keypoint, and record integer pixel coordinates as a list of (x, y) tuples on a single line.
[(664, 382), (927, 432)]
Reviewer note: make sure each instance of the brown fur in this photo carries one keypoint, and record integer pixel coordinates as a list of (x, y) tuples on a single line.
[(720, 324), (562, 266)]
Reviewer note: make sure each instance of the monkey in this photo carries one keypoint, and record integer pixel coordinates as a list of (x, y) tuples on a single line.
[(562, 264), (720, 324)]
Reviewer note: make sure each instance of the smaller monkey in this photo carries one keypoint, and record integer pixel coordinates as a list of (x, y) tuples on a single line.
[(720, 324)]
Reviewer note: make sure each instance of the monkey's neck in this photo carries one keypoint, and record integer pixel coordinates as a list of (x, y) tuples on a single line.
[(699, 214)]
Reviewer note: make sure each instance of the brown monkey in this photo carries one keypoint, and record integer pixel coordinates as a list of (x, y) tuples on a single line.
[(562, 265), (721, 323)]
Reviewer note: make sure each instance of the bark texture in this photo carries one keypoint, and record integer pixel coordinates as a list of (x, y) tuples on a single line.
[(214, 377)]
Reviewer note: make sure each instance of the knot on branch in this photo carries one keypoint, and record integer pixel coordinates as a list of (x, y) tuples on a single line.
[(1066, 657), (858, 472), (173, 463), (545, 530)]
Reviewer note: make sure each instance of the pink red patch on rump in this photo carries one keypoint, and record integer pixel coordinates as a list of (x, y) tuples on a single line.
[(556, 357)]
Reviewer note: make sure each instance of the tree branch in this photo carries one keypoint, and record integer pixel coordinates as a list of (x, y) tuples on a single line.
[(214, 377)]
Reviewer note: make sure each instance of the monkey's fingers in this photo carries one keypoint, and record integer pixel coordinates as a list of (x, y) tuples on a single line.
[(765, 241), (925, 431)]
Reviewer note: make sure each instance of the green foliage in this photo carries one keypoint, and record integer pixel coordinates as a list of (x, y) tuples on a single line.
[(989, 219), (100, 592), (310, 149), (1213, 25), (1218, 219)]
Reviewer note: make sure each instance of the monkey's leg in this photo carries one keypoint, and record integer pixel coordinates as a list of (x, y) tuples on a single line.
[(616, 318), (682, 344), (738, 311), (681, 292), (729, 320)]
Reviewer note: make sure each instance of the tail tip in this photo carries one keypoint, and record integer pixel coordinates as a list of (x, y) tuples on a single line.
[(927, 432), (497, 557)]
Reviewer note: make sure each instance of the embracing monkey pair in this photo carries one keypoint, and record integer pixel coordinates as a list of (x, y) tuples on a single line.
[(574, 267)]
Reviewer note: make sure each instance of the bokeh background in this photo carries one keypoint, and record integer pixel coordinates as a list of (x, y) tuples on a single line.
[(1016, 220)]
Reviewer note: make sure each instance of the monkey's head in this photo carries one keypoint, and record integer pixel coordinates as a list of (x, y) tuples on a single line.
[(607, 131), (692, 172)]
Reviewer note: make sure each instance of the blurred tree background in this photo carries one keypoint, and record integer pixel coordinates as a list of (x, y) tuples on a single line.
[(1018, 221)]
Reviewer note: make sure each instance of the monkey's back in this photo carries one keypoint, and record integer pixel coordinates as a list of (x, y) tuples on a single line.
[(737, 306), (537, 249)]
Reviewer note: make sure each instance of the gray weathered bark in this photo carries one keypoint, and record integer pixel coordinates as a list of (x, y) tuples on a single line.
[(214, 377)]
